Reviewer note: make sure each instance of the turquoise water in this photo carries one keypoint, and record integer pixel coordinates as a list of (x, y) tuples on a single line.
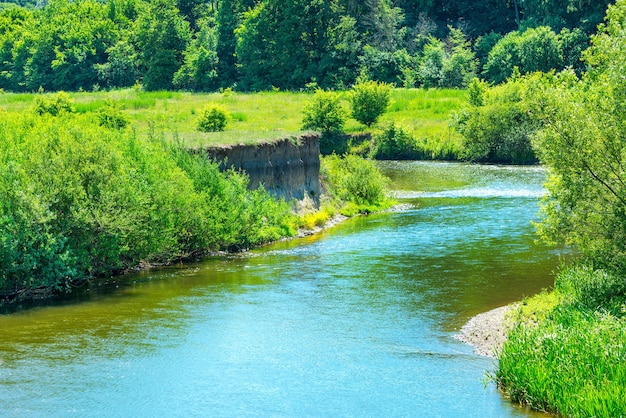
[(356, 321)]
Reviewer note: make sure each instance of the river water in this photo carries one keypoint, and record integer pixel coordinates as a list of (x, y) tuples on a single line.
[(356, 321)]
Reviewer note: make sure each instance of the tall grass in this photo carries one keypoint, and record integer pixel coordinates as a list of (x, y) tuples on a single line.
[(572, 361)]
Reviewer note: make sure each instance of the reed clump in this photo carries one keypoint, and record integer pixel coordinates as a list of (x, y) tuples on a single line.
[(567, 353)]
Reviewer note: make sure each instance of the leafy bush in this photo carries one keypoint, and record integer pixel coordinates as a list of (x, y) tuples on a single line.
[(496, 126), (214, 118), (395, 143), (54, 104), (78, 200), (355, 181), (369, 100), (324, 113), (110, 116)]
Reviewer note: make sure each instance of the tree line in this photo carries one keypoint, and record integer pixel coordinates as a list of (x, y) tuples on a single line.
[(254, 45)]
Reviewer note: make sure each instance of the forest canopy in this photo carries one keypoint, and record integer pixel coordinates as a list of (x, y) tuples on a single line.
[(254, 45)]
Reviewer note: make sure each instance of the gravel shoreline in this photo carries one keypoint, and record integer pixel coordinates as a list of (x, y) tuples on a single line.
[(487, 331)]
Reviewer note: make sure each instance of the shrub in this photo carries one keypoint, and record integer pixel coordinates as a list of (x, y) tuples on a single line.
[(324, 113), (496, 126), (110, 116), (54, 104), (78, 200), (214, 118), (395, 143), (356, 181), (369, 100)]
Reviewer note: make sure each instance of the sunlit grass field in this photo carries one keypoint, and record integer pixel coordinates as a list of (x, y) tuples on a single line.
[(257, 117)]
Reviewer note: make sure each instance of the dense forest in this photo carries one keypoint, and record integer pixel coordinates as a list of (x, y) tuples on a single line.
[(252, 45)]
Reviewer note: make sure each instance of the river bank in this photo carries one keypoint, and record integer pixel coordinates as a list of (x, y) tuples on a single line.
[(487, 332)]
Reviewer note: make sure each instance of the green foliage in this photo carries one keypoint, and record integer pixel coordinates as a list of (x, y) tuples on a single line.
[(162, 36), (587, 289), (326, 114), (199, 69), (570, 362), (384, 66), (369, 100), (256, 45), (355, 181), (286, 44), (395, 143), (496, 126), (78, 200), (54, 104), (110, 116), (536, 49), (582, 144), (214, 118)]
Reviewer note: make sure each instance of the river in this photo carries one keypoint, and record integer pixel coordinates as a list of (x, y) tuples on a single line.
[(356, 321)]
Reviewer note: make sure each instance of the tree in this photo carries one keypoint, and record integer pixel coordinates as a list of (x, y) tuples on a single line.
[(162, 36), (68, 40), (15, 35), (227, 22), (287, 44), (199, 70), (535, 49), (583, 147), (369, 100)]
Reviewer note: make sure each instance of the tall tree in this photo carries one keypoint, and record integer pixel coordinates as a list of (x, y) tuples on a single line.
[(69, 40), (583, 147), (162, 36), (227, 22), (286, 44)]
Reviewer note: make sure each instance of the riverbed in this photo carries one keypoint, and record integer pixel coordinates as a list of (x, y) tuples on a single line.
[(358, 320)]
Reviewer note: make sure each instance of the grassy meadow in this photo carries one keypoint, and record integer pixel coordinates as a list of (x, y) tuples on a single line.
[(264, 116)]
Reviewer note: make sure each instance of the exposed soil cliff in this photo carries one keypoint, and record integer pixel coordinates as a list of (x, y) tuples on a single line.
[(289, 168)]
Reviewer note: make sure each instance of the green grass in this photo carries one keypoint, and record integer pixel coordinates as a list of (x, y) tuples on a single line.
[(264, 116), (567, 354)]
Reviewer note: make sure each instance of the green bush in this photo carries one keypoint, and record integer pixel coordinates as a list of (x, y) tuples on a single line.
[(324, 113), (395, 143), (54, 104), (356, 182), (496, 126), (110, 116), (214, 118), (78, 200), (369, 100)]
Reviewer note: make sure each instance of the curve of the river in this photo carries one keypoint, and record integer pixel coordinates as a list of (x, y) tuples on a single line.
[(356, 321)]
